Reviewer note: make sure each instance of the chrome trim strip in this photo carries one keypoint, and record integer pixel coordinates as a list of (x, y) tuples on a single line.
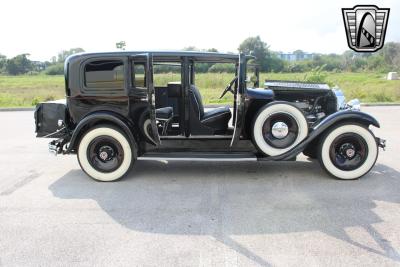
[(197, 137), (197, 159)]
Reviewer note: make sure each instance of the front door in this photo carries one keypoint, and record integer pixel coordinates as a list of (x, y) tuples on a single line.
[(239, 100)]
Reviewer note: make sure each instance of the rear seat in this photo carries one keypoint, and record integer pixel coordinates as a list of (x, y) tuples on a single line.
[(165, 113)]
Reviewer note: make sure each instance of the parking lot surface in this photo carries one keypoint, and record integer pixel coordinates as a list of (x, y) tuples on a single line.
[(195, 214)]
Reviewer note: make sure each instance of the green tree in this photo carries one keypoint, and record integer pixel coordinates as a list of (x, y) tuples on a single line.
[(62, 56), (191, 48), (275, 64), (212, 50), (377, 62), (3, 62), (299, 54), (19, 65), (331, 62), (201, 67), (55, 69), (391, 54), (121, 45), (348, 59), (267, 59), (256, 47)]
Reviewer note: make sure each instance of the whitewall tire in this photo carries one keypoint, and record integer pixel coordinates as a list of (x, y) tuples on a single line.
[(348, 151), (105, 154), (289, 124)]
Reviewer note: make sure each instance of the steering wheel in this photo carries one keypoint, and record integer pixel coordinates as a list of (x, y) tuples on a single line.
[(228, 88)]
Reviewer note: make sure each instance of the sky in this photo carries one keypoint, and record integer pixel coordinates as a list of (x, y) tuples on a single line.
[(43, 28)]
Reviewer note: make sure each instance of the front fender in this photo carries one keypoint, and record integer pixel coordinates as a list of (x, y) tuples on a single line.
[(317, 129), (103, 116), (346, 115)]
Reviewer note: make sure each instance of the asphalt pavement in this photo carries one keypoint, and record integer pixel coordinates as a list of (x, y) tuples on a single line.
[(195, 213)]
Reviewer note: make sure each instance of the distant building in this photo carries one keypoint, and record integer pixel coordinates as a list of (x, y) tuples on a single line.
[(295, 56)]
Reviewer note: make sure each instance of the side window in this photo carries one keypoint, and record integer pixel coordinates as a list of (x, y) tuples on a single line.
[(104, 75), (166, 72), (139, 75)]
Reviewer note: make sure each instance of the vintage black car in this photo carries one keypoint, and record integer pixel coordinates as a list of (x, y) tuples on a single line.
[(114, 114)]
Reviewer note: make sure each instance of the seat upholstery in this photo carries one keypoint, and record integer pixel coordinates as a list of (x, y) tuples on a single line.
[(217, 118), (216, 113), (165, 113)]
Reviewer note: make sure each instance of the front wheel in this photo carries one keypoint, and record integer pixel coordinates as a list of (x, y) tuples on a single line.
[(348, 151), (105, 154)]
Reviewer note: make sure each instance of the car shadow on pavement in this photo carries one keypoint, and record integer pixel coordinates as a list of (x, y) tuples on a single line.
[(229, 199)]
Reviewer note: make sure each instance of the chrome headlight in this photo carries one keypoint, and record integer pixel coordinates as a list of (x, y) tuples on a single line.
[(354, 104), (340, 99)]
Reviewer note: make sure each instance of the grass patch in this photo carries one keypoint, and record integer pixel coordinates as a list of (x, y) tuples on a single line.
[(25, 91)]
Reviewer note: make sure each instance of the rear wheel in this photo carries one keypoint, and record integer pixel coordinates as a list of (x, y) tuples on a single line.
[(348, 151), (278, 127), (105, 154)]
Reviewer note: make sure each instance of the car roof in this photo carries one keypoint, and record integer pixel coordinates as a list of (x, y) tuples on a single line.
[(197, 56)]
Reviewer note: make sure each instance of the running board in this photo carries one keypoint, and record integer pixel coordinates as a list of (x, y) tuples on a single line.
[(199, 156)]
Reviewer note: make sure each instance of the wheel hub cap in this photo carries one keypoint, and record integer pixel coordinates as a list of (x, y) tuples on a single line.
[(348, 150), (350, 153), (106, 153), (280, 130), (103, 155)]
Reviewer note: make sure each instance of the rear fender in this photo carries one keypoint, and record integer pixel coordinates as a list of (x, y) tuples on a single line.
[(96, 118), (319, 128)]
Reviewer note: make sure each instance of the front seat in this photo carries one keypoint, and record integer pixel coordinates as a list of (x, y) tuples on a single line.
[(164, 116), (213, 121)]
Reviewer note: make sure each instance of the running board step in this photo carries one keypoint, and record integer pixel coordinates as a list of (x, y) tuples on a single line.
[(199, 156)]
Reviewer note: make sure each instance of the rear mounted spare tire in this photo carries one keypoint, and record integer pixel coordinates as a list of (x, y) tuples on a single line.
[(278, 127)]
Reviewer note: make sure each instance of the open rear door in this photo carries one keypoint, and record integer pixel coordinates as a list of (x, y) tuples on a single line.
[(146, 59), (152, 99), (239, 100)]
